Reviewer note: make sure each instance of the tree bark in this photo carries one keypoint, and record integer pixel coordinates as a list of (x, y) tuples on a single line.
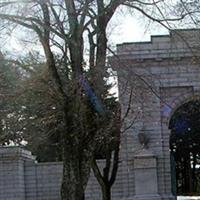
[(106, 192), (76, 169)]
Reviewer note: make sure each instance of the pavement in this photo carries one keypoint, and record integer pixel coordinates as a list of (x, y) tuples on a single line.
[(188, 198)]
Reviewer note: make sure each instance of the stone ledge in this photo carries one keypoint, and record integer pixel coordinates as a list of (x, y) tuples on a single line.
[(15, 152), (164, 46)]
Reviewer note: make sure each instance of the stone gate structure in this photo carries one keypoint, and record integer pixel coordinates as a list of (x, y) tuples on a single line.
[(155, 78)]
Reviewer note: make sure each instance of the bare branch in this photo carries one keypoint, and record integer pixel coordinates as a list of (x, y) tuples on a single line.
[(72, 15), (115, 164), (58, 21), (129, 106), (147, 3), (97, 172), (160, 21)]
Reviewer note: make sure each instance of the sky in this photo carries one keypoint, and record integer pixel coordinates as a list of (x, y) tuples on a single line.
[(122, 28), (131, 29)]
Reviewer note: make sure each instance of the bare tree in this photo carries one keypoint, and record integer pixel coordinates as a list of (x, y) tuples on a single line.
[(72, 26)]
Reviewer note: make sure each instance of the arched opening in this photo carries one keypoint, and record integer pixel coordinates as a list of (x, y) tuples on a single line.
[(185, 149)]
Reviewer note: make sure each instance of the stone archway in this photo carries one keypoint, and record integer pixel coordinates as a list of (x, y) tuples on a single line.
[(165, 71), (185, 148), (171, 104)]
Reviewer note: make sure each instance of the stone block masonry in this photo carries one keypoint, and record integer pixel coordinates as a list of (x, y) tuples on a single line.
[(163, 74), (22, 178)]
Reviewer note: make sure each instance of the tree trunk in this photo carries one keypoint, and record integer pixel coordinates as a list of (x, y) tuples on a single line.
[(76, 169), (106, 192), (76, 55), (76, 153)]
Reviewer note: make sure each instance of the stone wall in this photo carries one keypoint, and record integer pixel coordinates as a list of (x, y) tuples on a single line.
[(22, 178)]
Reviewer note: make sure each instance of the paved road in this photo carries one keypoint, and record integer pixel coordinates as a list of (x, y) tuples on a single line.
[(188, 198)]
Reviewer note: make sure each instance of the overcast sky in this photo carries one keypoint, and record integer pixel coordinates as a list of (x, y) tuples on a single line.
[(131, 29), (123, 28)]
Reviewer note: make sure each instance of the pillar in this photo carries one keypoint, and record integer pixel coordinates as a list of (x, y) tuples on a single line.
[(146, 181)]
